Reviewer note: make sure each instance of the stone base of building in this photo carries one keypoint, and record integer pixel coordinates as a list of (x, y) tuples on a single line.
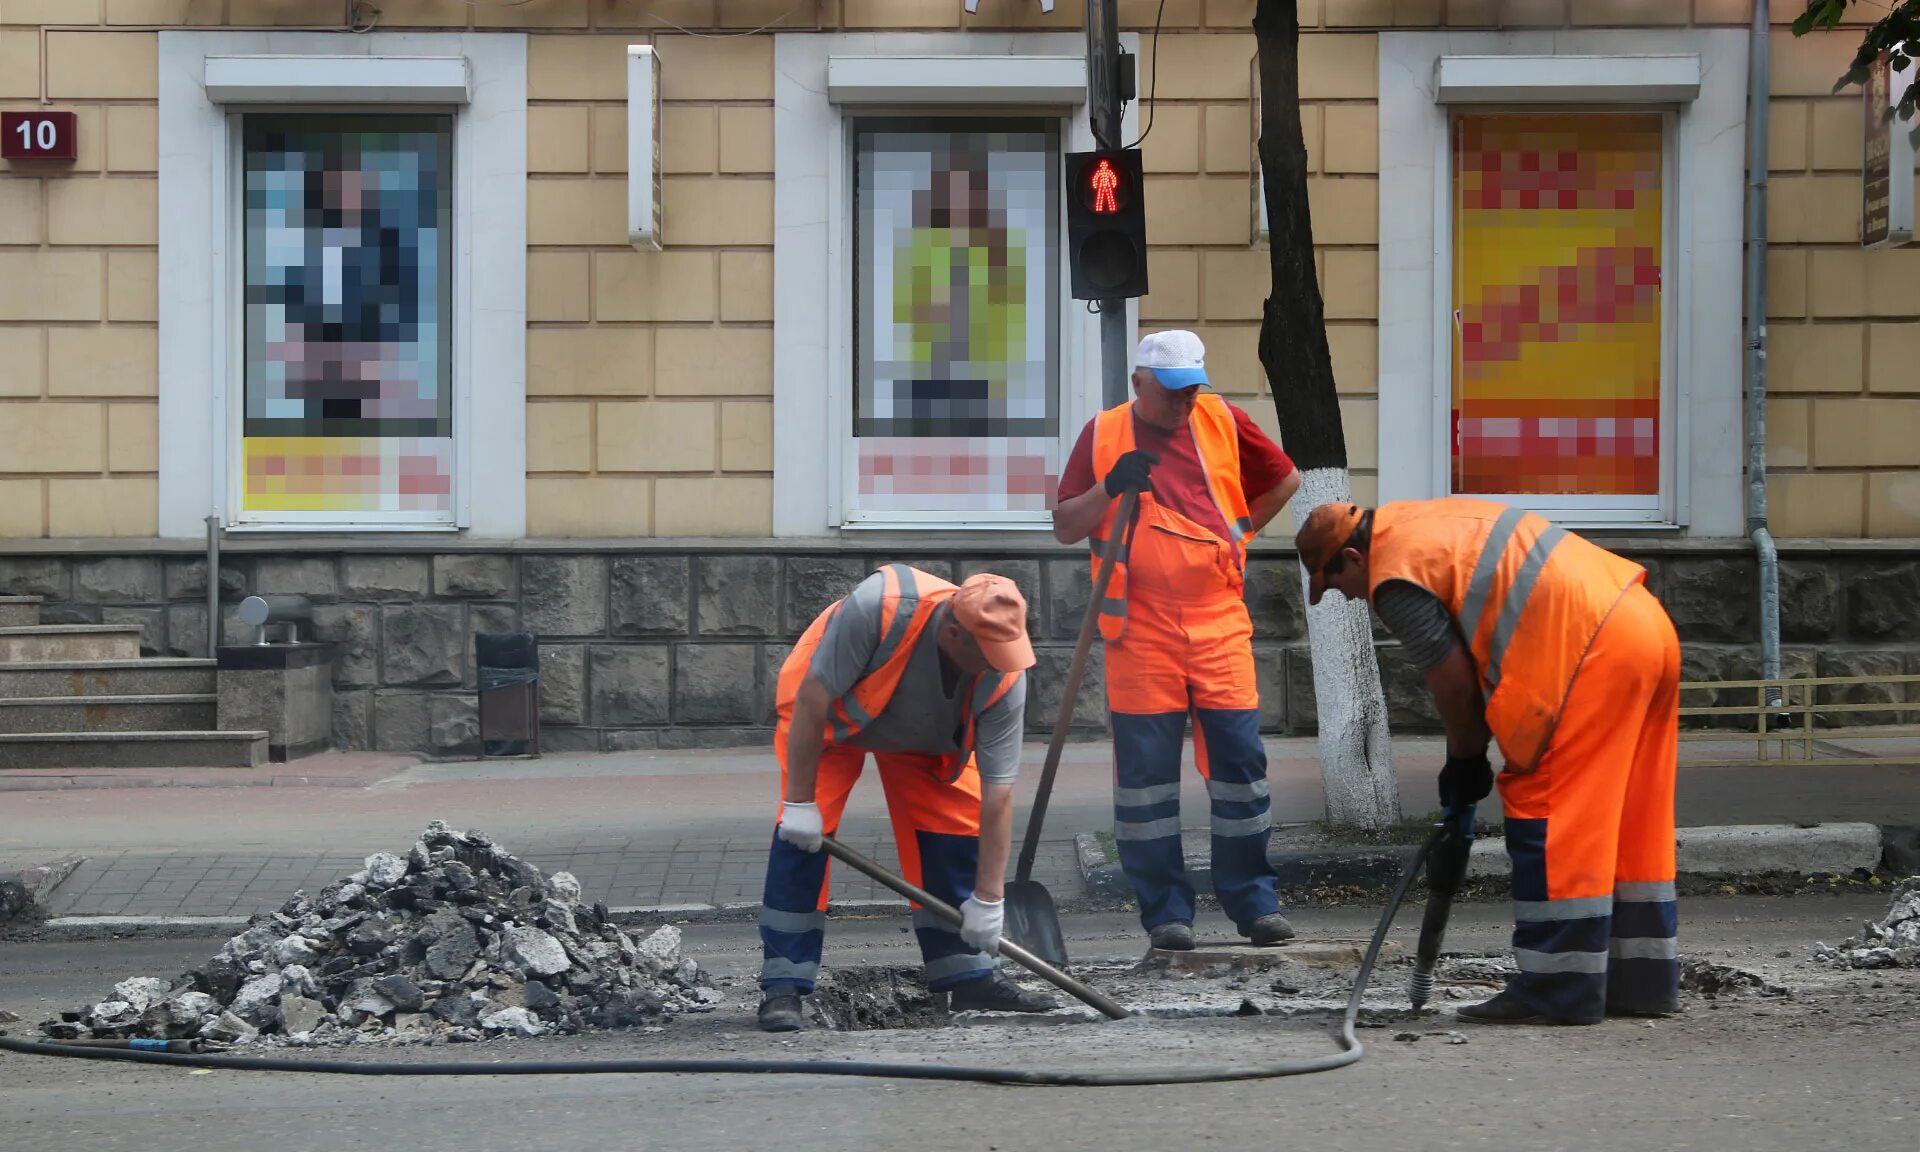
[(678, 644)]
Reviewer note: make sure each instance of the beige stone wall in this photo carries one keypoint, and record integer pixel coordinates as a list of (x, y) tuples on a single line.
[(649, 408), (650, 374), (78, 342)]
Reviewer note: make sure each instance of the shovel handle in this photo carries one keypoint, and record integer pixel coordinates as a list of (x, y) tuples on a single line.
[(1090, 996), (1070, 691)]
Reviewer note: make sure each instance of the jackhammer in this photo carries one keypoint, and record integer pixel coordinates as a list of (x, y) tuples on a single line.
[(1447, 851)]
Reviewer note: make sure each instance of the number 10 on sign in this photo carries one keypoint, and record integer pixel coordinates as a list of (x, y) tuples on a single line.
[(38, 136)]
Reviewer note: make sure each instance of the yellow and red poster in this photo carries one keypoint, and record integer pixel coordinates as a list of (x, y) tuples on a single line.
[(1557, 253)]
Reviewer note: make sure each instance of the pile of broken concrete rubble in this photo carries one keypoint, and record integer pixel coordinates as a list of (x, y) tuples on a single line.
[(1893, 942), (456, 941)]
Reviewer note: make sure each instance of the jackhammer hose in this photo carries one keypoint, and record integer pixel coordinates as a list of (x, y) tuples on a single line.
[(1350, 1052)]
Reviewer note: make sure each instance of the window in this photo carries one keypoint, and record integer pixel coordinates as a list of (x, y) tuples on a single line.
[(348, 240), (956, 319), (343, 281), (1558, 327)]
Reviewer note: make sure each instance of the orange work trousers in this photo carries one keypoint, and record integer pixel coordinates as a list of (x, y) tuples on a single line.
[(1590, 831), (936, 826), (1187, 650)]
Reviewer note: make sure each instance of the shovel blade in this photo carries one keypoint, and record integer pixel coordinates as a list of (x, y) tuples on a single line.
[(1033, 923)]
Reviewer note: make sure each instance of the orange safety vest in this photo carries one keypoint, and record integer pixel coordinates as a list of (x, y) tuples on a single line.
[(1528, 597), (1216, 436), (907, 604)]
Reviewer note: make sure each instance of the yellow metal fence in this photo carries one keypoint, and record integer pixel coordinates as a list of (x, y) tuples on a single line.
[(1792, 730)]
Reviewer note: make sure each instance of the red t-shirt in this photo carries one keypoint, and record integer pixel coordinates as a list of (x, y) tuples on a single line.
[(1179, 482)]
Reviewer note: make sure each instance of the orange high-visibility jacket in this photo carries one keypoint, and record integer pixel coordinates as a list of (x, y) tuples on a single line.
[(1528, 597), (908, 602), (1216, 436)]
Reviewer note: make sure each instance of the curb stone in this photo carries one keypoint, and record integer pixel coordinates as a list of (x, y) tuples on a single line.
[(1730, 850)]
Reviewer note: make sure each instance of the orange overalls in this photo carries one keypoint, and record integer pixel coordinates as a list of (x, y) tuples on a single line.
[(934, 801), (1179, 642), (1580, 668)]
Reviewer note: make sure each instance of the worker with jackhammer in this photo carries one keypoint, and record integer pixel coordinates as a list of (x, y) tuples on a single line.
[(1178, 639), (1537, 638), (929, 678)]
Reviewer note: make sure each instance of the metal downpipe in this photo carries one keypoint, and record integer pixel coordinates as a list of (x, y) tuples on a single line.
[(1759, 82)]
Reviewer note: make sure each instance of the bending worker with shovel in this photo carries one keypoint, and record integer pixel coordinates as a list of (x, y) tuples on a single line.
[(922, 674)]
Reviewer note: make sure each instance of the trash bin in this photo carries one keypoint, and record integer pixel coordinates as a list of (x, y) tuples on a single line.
[(509, 675)]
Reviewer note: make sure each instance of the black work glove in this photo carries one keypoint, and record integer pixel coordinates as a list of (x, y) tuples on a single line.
[(1129, 473), (1465, 780)]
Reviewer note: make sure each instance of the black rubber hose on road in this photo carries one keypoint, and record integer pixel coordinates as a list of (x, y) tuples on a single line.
[(1350, 1052)]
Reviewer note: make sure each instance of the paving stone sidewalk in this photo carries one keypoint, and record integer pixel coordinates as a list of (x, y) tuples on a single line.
[(620, 873)]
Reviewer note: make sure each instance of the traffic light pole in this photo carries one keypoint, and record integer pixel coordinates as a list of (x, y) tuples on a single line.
[(1103, 108)]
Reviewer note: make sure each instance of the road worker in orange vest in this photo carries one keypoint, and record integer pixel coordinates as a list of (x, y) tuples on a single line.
[(1532, 636), (1178, 638), (928, 678)]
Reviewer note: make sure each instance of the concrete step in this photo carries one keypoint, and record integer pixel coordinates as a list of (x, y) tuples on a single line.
[(160, 675), (19, 611), (132, 750), (66, 642), (168, 713)]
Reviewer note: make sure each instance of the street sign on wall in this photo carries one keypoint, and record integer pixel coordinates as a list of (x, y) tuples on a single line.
[(1886, 203), (38, 136)]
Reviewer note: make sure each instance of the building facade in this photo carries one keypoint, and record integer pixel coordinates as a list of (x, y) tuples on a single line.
[(368, 284)]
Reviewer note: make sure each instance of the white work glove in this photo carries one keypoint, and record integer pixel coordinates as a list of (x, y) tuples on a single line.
[(981, 922), (800, 825)]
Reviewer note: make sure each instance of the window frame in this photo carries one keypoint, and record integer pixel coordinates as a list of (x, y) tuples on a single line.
[(1675, 286), (821, 82), (230, 297), (845, 398), (1699, 73), (206, 77)]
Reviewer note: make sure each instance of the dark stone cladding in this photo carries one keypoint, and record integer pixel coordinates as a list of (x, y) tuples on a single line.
[(662, 644)]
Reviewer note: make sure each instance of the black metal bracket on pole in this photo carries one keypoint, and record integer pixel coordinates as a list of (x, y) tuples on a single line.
[(1104, 111)]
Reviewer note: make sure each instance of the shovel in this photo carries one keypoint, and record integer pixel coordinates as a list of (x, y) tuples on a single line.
[(1093, 997), (1031, 917)]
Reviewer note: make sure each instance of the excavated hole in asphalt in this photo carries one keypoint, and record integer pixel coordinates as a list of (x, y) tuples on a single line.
[(865, 998), (875, 997)]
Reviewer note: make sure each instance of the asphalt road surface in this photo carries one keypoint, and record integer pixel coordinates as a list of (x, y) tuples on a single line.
[(1830, 1066)]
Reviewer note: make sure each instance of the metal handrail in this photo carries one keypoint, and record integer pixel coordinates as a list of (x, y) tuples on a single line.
[(1802, 742)]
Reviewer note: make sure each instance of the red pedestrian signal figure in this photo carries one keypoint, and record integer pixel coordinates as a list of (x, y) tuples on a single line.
[(1105, 182), (1106, 223)]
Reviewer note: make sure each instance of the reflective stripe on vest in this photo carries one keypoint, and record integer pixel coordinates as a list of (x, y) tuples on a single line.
[(1528, 597), (1216, 440)]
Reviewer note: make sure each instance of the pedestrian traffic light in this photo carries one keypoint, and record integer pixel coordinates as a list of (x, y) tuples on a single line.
[(1106, 224)]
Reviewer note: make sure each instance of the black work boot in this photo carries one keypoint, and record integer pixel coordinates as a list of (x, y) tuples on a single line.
[(1272, 928), (1173, 936), (780, 1010), (996, 993), (1507, 1008)]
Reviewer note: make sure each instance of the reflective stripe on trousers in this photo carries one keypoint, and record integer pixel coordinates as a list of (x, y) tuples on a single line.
[(936, 825), (1146, 813)]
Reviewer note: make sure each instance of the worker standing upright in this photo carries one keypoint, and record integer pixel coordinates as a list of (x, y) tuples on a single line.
[(921, 674), (1179, 642), (1537, 638)]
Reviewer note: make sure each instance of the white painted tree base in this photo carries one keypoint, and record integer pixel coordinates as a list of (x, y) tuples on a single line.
[(1356, 752)]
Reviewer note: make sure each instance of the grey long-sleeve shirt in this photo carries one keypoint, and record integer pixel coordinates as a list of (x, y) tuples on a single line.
[(1417, 618), (928, 711)]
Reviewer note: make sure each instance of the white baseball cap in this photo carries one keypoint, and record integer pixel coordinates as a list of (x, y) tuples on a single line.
[(1176, 357)]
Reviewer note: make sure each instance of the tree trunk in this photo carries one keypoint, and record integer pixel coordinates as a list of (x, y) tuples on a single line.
[(1356, 759)]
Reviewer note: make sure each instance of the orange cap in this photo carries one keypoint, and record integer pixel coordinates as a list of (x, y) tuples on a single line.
[(1320, 539), (994, 613)]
